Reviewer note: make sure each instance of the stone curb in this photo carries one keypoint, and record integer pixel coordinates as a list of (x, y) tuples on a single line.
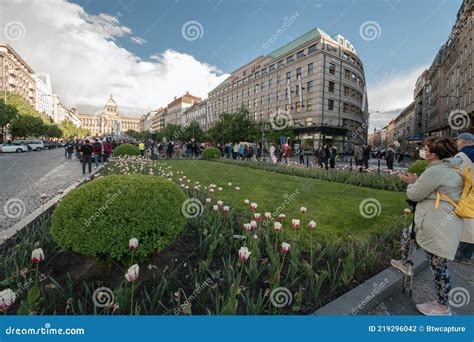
[(47, 207), (363, 298)]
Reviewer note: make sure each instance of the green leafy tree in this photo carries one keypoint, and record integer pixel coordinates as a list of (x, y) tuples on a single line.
[(193, 130), (172, 132), (69, 130), (235, 127), (26, 126), (53, 131)]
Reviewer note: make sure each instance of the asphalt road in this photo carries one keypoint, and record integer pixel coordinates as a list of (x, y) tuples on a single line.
[(24, 177)]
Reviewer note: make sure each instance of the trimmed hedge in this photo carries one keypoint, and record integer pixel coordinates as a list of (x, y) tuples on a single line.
[(418, 167), (211, 153), (126, 150), (99, 218)]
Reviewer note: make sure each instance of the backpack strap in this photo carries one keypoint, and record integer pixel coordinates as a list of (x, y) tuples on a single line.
[(440, 195)]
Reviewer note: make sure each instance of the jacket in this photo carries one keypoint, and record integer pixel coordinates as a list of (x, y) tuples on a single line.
[(438, 230)]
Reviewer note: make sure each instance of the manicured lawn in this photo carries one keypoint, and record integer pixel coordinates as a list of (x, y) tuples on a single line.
[(334, 206)]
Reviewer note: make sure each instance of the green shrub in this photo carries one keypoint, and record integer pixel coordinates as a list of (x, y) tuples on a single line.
[(126, 150), (211, 153), (418, 167), (98, 218)]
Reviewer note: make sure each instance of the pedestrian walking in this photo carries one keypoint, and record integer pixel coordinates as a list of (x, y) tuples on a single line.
[(332, 157), (436, 235), (107, 149), (86, 151), (301, 154), (97, 151), (465, 143), (141, 148), (390, 156)]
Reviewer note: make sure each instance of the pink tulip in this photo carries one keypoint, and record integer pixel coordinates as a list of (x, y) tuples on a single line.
[(257, 216), (253, 224), (281, 217), (132, 273), (268, 215), (285, 247), (303, 210), (244, 253), (247, 227), (253, 206), (295, 223), (277, 226), (312, 224), (133, 244)]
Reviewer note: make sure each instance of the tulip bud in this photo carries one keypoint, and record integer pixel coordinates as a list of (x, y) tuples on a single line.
[(253, 206), (237, 188), (253, 224), (220, 204), (312, 224), (281, 217), (257, 216), (268, 215), (247, 227), (133, 244), (255, 237), (215, 207), (132, 273), (303, 210), (244, 253), (295, 223), (208, 201), (37, 255), (277, 226), (7, 297), (285, 247), (246, 202), (226, 209)]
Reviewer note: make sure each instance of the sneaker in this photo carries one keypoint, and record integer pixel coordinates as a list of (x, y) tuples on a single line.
[(402, 266), (433, 309)]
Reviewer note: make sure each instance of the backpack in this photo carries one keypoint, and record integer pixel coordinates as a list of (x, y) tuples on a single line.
[(465, 206)]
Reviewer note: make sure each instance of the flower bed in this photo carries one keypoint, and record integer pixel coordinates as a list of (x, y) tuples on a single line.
[(227, 260)]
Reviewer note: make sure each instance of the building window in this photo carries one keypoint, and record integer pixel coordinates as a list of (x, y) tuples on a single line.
[(310, 68), (287, 108), (330, 104), (269, 84), (331, 87), (289, 59), (347, 74), (309, 104), (288, 75), (345, 108), (308, 121), (312, 48), (298, 107), (272, 67), (346, 91), (298, 72), (300, 54), (278, 80), (332, 68), (309, 86), (280, 64)]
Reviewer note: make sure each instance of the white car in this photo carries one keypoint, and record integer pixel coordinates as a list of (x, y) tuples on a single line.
[(6, 148), (32, 145)]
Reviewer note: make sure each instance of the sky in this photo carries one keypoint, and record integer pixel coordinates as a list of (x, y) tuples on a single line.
[(145, 52)]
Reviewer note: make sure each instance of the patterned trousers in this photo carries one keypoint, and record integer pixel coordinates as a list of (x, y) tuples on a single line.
[(439, 267)]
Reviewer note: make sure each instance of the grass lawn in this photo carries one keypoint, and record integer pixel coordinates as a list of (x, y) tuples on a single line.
[(334, 206)]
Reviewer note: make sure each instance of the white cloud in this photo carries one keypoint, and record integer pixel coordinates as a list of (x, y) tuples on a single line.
[(391, 95), (138, 40), (82, 53)]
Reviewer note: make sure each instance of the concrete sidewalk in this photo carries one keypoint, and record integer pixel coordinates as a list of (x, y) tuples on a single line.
[(423, 290)]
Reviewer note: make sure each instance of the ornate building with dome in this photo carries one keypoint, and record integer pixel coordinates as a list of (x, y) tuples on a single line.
[(109, 121)]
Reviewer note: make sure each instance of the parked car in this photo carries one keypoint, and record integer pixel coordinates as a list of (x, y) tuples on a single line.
[(8, 148), (35, 145), (48, 145)]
